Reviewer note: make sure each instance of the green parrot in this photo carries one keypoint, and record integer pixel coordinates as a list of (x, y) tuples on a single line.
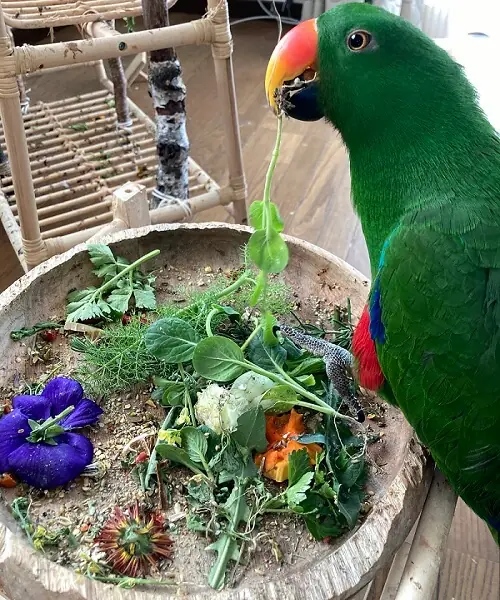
[(425, 170)]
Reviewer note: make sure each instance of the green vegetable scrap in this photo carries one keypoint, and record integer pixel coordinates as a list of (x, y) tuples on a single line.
[(122, 282)]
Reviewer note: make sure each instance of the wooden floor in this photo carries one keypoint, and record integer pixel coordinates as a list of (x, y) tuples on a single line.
[(312, 188)]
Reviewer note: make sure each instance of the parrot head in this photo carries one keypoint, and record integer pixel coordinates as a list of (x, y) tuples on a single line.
[(408, 115), (366, 71)]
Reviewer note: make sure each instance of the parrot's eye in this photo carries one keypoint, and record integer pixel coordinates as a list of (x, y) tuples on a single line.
[(359, 40)]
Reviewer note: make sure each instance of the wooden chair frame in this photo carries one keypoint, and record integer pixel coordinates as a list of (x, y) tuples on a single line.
[(22, 220)]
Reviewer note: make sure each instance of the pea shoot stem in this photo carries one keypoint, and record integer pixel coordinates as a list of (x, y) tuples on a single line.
[(208, 323), (269, 178), (251, 337), (318, 404), (187, 396)]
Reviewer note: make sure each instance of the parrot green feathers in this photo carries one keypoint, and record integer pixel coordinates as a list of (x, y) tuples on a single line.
[(425, 169)]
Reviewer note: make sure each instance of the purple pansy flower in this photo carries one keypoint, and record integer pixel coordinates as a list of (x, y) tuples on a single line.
[(37, 443)]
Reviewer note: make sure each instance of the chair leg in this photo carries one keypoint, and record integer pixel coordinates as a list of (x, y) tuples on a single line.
[(136, 68), (17, 151)]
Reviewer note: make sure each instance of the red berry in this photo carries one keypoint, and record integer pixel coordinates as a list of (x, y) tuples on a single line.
[(141, 457), (126, 319), (49, 335)]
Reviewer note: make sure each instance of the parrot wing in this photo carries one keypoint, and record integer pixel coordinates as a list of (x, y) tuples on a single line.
[(435, 316)]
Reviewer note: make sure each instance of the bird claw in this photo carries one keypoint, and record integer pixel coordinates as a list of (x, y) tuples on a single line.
[(338, 362)]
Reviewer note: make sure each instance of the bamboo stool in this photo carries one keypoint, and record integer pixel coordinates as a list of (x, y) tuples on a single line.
[(68, 157)]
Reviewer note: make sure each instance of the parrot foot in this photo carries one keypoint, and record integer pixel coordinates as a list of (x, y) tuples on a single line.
[(338, 362)]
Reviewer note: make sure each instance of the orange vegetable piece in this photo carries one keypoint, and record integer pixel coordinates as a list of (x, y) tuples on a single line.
[(7, 481), (281, 433)]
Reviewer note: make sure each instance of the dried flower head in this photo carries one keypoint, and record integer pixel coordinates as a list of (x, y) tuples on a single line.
[(134, 542)]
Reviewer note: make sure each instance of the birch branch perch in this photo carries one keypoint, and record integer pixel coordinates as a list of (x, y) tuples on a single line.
[(168, 93)]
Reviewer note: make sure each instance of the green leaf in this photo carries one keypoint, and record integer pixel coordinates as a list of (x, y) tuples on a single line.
[(306, 366), (172, 340), (118, 299), (145, 298), (217, 358), (327, 491), (279, 399), (321, 527), (298, 465), (199, 490), (229, 311), (292, 350), (312, 438), (265, 356), (177, 455), (256, 216), (227, 549), (350, 470), (350, 507), (251, 430), (172, 393), (226, 546), (296, 493), (100, 255), (83, 311), (268, 251), (195, 523), (79, 127), (194, 443)]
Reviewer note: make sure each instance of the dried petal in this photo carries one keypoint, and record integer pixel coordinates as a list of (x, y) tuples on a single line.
[(45, 466), (14, 430), (86, 412), (62, 392)]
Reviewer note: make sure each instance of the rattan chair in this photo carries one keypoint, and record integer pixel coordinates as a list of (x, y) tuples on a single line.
[(73, 166)]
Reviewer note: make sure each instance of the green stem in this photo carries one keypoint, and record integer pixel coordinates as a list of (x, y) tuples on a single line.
[(208, 323), (269, 178), (234, 286), (292, 381), (125, 271), (208, 470), (37, 434), (131, 581), (187, 396), (319, 405), (251, 336), (152, 459)]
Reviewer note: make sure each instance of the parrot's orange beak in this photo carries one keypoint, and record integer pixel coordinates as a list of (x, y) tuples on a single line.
[(294, 55)]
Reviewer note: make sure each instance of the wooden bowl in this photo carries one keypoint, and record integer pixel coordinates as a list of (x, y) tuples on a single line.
[(401, 471)]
